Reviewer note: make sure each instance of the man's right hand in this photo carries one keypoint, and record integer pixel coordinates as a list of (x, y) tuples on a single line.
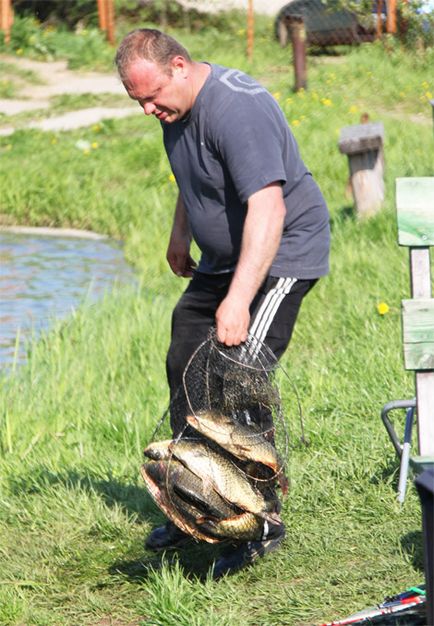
[(178, 256)]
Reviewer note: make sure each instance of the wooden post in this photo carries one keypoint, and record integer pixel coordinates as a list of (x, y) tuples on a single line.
[(298, 38), (110, 13), (379, 18), (6, 19), (102, 15), (106, 19), (391, 16), (250, 30), (363, 143)]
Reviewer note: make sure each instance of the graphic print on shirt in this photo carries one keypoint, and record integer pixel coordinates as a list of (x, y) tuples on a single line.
[(238, 81)]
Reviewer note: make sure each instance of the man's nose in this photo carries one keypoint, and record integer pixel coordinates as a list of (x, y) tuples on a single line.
[(148, 108)]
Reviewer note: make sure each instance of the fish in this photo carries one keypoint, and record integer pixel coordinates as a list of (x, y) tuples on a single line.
[(219, 473), (182, 514), (220, 521), (158, 450), (243, 527), (243, 442)]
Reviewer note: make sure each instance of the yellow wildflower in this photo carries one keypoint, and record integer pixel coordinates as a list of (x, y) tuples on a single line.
[(296, 122), (301, 92), (94, 145), (276, 95), (288, 100), (96, 128), (326, 102), (241, 32), (353, 109), (425, 85), (383, 308), (428, 95), (172, 178)]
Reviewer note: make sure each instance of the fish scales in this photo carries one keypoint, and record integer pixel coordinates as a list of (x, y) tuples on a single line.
[(183, 518), (221, 474), (241, 441)]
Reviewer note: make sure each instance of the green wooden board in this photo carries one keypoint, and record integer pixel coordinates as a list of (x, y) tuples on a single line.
[(415, 211), (418, 333)]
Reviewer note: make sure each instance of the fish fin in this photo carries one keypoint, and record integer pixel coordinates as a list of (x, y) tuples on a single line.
[(273, 518), (283, 482), (207, 519)]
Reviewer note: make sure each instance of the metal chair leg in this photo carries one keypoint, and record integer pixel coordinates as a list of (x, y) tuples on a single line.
[(390, 406)]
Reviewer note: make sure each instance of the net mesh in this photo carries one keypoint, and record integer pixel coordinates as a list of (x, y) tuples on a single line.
[(235, 388)]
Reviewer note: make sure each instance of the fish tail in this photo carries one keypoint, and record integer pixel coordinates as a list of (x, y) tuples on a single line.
[(273, 518)]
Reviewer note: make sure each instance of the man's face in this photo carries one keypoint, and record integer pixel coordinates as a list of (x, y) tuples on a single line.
[(158, 93)]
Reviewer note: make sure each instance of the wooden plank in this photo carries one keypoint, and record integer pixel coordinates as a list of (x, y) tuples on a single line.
[(418, 320), (415, 211), (418, 333), (361, 138), (420, 273), (425, 412)]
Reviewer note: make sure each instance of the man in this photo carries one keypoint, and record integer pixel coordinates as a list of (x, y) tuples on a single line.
[(249, 202)]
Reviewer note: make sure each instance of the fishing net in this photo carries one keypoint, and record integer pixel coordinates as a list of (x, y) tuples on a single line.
[(237, 381), (230, 388)]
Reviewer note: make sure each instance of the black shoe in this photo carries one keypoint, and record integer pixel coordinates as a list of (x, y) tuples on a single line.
[(247, 553), (166, 537)]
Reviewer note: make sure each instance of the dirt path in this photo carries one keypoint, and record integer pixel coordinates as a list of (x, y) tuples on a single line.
[(54, 79)]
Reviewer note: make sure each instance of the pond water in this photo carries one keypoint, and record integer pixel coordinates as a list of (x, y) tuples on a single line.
[(47, 277)]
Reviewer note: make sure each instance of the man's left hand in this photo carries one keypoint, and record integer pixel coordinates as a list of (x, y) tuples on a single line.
[(233, 320)]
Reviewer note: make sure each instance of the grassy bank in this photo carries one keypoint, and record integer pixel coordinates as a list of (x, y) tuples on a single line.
[(74, 420)]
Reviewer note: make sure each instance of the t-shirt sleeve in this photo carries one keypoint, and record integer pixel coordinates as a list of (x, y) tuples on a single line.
[(250, 141)]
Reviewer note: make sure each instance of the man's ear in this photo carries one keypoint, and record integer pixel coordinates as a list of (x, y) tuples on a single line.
[(179, 66)]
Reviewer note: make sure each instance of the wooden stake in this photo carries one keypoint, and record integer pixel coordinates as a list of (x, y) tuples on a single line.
[(250, 29), (391, 16), (102, 15), (106, 19), (298, 39), (379, 18), (6, 18), (110, 16)]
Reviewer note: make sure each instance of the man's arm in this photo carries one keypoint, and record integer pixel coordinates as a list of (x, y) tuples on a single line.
[(262, 233), (178, 251)]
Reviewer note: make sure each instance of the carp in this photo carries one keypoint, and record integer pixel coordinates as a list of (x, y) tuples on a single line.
[(198, 516), (219, 473), (244, 442), (182, 514)]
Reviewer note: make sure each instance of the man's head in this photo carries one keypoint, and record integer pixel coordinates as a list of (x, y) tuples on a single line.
[(156, 71)]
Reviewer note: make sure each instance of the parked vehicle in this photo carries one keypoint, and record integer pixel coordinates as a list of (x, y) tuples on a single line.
[(325, 26)]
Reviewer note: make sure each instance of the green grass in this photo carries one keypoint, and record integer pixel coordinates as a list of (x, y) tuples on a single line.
[(74, 419)]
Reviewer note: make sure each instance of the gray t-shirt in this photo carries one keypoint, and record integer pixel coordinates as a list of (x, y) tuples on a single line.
[(235, 142)]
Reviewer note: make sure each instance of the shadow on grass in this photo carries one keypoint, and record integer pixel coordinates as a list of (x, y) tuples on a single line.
[(412, 544), (132, 498), (342, 215), (196, 559)]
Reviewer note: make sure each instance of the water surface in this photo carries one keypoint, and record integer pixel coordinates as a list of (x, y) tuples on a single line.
[(46, 277)]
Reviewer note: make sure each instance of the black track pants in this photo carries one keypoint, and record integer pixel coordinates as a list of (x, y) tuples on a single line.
[(273, 314)]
